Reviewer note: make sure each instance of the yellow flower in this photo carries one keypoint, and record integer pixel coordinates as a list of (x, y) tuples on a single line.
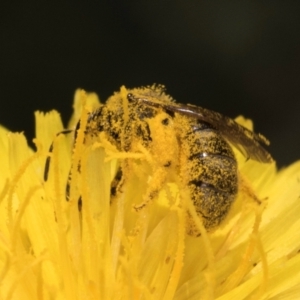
[(51, 248)]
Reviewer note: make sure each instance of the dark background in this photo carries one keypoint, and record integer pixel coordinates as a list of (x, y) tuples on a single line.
[(235, 57)]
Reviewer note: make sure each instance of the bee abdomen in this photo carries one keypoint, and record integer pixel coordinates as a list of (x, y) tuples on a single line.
[(213, 187), (212, 177), (210, 203), (217, 171)]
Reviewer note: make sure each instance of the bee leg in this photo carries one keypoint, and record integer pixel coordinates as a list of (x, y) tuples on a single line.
[(254, 243), (147, 199), (48, 160), (67, 192), (116, 185), (154, 187), (248, 193), (247, 190)]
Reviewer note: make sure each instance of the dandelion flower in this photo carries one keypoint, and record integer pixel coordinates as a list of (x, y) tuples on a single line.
[(51, 248)]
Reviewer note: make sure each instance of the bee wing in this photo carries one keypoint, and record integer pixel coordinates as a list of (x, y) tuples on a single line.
[(246, 141)]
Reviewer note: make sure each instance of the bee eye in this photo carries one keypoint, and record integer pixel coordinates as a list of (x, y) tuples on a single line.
[(130, 97), (165, 121)]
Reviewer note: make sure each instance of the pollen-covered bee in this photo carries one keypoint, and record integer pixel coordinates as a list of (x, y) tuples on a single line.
[(193, 141)]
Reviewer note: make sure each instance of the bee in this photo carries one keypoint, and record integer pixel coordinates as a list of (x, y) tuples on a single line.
[(196, 144)]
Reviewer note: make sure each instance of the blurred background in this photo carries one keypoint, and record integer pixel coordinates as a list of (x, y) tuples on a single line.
[(235, 57)]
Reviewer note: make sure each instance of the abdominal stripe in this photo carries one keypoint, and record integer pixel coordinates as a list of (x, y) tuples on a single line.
[(210, 155), (202, 184)]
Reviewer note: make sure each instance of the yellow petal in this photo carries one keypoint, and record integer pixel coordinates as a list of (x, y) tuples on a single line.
[(51, 248)]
